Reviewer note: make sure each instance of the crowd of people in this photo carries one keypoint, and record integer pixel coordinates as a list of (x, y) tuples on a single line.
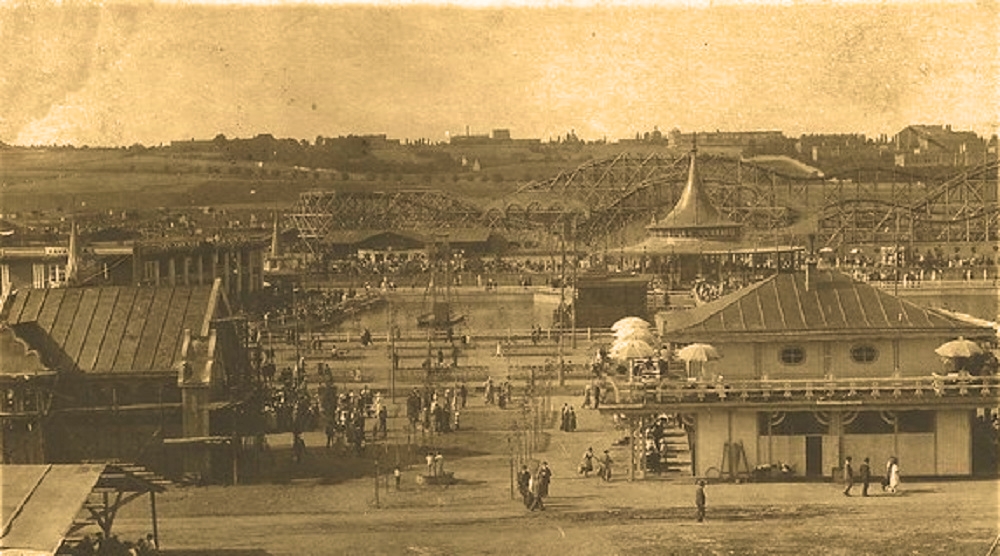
[(431, 411), (99, 545), (345, 415)]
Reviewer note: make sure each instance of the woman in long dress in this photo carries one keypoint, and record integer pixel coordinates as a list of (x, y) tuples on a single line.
[(893, 475)]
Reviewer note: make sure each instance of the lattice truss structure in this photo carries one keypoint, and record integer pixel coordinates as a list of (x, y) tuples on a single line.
[(613, 199), (624, 193), (902, 206), (317, 213)]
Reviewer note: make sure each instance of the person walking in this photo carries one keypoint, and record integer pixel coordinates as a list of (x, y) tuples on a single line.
[(534, 494), (605, 471), (865, 474), (893, 474), (544, 478), (523, 484), (699, 500), (587, 465), (848, 476)]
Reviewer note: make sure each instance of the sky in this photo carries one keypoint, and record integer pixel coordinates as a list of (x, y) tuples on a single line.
[(113, 73)]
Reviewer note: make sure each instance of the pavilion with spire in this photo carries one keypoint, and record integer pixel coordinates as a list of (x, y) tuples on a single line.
[(694, 240), (694, 223)]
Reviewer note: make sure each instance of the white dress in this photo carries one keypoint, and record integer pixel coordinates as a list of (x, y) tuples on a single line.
[(893, 477)]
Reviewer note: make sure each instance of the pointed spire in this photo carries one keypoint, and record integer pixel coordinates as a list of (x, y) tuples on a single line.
[(693, 209)]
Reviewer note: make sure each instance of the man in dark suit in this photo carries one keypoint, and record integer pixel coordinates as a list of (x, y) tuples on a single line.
[(523, 480), (865, 474)]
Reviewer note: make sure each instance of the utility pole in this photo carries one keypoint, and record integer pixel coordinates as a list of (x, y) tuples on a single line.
[(576, 263), (562, 305)]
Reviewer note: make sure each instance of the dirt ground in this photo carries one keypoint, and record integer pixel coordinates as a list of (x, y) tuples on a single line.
[(328, 506)]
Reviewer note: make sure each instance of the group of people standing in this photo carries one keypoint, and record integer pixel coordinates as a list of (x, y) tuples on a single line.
[(534, 488), (889, 483), (568, 419), (499, 394), (436, 412)]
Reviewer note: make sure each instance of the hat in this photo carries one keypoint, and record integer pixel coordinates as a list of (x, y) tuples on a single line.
[(701, 482)]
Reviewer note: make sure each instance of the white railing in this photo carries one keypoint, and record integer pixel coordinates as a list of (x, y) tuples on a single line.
[(819, 391)]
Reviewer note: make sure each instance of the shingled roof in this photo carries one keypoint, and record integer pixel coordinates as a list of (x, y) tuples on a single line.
[(111, 329), (832, 304)]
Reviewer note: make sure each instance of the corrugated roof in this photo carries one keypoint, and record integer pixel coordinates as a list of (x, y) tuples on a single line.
[(832, 303), (111, 329)]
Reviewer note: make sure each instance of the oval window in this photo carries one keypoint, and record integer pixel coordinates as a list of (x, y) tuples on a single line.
[(792, 355), (864, 353)]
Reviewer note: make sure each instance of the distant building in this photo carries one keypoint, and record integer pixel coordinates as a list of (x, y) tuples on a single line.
[(936, 145), (238, 261), (760, 142)]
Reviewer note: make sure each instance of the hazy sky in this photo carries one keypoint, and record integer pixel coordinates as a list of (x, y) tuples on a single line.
[(85, 73)]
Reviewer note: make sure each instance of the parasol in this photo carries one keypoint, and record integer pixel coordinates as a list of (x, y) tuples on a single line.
[(630, 322), (698, 352), (630, 348), (958, 348), (641, 334)]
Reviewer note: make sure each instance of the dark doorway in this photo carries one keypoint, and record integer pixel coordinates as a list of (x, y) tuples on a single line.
[(984, 447), (814, 456)]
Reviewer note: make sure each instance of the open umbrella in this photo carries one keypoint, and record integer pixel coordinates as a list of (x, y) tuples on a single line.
[(624, 350), (630, 322), (958, 348), (642, 334), (698, 352)]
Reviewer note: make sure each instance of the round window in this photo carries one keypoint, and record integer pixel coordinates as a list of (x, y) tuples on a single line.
[(864, 353), (792, 355)]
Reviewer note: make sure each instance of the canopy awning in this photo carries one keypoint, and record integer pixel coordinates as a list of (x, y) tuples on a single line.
[(41, 503)]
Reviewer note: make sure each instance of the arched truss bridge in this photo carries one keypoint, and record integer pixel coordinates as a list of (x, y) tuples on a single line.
[(610, 201)]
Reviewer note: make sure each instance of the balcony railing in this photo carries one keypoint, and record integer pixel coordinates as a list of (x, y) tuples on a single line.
[(837, 391)]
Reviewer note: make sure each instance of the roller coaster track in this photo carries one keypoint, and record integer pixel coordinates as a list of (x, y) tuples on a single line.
[(962, 208), (612, 199)]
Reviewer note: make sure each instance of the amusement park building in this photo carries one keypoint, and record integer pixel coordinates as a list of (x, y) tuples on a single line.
[(114, 372), (816, 367)]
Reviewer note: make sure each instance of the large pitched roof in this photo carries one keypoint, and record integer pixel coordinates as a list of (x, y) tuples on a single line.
[(832, 304), (111, 329)]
